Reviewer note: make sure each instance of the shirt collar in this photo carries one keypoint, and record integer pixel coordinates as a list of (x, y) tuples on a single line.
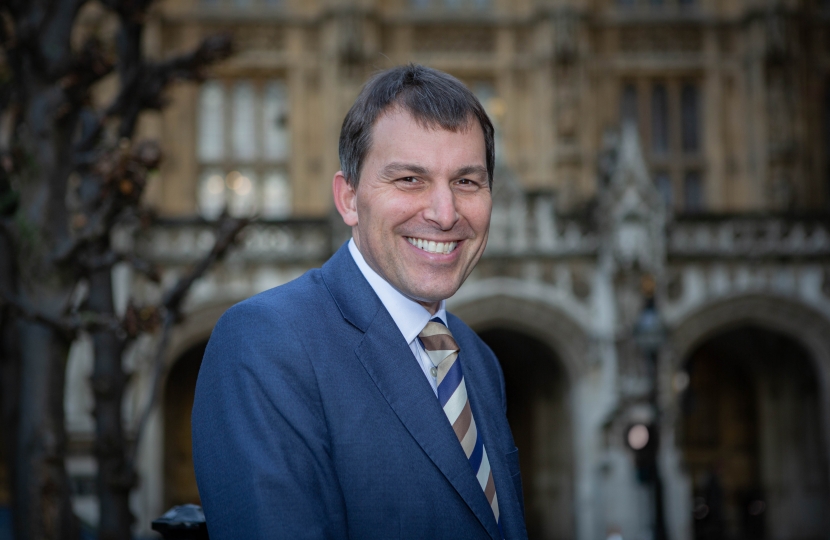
[(410, 316)]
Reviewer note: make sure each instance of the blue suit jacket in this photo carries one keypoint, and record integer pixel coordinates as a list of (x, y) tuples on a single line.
[(312, 419)]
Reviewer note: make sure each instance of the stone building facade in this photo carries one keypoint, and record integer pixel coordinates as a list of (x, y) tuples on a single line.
[(659, 259)]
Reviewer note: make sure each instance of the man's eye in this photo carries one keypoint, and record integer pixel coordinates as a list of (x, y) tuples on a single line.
[(467, 183)]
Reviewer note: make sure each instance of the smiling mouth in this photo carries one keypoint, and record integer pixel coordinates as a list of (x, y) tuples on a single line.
[(430, 246)]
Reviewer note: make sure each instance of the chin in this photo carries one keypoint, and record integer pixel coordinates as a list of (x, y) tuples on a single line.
[(435, 295)]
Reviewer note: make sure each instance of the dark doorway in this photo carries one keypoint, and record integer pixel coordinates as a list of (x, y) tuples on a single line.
[(179, 478), (539, 414), (751, 438)]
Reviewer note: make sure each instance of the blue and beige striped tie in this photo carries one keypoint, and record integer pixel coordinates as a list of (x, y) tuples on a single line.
[(452, 393)]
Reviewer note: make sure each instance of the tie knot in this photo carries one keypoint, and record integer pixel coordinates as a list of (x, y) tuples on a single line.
[(437, 341)]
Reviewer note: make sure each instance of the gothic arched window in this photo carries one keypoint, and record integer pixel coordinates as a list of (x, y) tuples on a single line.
[(243, 148)]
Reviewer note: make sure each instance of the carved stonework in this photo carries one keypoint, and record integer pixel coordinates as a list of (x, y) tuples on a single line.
[(700, 284), (522, 224), (634, 212), (662, 39), (566, 35), (567, 104), (350, 47), (781, 35), (748, 237), (257, 37), (187, 242), (462, 39)]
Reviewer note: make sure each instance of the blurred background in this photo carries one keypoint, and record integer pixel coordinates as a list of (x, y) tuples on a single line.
[(657, 282)]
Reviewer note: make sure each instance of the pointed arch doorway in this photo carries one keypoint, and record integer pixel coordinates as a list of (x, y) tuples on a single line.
[(539, 414), (179, 477), (751, 436)]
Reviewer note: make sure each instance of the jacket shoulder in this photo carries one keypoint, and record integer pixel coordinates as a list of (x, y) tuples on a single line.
[(287, 301)]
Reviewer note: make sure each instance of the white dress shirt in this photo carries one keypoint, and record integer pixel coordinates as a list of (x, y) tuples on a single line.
[(410, 316)]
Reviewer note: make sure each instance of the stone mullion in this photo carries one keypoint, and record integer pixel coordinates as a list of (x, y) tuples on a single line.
[(180, 176), (543, 120), (677, 165), (506, 91), (330, 90), (756, 116), (302, 186), (814, 117), (712, 143), (822, 82), (645, 86), (740, 137), (571, 54), (543, 52), (814, 113)]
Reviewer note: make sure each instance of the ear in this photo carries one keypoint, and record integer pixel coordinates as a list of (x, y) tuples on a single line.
[(345, 199)]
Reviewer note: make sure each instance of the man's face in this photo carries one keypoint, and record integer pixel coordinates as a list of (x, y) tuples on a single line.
[(421, 211)]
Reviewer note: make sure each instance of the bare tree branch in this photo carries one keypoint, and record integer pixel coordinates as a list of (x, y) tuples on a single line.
[(228, 230), (226, 234), (86, 68), (120, 176), (144, 86), (90, 320), (144, 267), (67, 326), (60, 325)]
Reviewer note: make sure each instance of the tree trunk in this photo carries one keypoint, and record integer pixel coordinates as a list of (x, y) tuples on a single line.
[(9, 367), (42, 487), (42, 491), (115, 479)]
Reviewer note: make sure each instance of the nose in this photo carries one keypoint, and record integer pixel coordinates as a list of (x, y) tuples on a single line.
[(441, 209)]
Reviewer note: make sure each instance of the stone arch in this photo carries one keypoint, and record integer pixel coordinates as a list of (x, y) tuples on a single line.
[(543, 352), (725, 321), (546, 322), (177, 406), (187, 345), (192, 332), (804, 324), (194, 329)]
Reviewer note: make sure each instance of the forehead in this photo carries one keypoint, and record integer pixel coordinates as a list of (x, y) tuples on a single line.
[(398, 130), (449, 124)]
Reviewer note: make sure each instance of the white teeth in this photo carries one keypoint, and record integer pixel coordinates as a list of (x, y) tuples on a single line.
[(433, 247)]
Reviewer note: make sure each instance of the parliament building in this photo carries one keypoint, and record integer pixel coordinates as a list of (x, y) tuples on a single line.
[(657, 281)]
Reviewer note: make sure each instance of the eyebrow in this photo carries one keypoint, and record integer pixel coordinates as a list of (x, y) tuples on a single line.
[(471, 169), (398, 167)]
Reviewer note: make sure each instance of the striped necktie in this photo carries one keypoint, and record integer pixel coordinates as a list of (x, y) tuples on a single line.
[(452, 393)]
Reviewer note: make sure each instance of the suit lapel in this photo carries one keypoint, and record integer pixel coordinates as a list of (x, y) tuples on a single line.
[(397, 376), (389, 362)]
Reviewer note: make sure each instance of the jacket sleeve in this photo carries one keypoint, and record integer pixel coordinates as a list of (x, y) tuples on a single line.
[(260, 444)]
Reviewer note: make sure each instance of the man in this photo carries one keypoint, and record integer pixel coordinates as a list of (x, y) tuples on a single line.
[(348, 403)]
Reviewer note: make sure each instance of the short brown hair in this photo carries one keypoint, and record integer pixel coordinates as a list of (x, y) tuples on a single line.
[(432, 97)]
